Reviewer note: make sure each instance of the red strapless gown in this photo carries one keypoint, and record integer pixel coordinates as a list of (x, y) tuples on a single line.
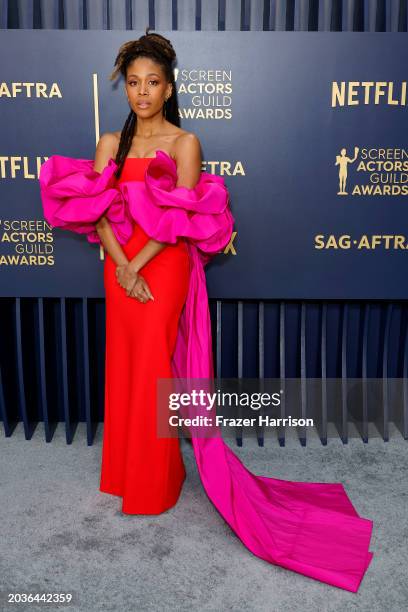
[(146, 471)]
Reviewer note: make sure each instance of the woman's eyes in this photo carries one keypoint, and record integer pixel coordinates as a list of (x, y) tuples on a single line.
[(134, 82)]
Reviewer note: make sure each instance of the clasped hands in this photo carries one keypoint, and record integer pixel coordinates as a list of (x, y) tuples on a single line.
[(133, 283)]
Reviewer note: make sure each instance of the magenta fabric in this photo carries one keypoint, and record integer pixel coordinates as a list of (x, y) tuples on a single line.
[(310, 528)]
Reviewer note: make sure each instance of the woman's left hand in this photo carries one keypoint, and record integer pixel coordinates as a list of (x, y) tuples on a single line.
[(126, 277)]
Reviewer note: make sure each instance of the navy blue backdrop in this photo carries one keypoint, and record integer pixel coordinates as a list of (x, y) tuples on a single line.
[(280, 132)]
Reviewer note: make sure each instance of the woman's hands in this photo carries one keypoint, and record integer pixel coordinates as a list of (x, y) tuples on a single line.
[(126, 277), (133, 283), (141, 290)]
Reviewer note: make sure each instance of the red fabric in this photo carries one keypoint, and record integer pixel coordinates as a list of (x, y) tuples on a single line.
[(146, 471)]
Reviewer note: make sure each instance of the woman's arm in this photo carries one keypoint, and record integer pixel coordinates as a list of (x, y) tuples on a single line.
[(188, 158), (104, 151), (110, 242)]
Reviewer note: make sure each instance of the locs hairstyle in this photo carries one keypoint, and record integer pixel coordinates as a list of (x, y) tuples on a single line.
[(160, 50)]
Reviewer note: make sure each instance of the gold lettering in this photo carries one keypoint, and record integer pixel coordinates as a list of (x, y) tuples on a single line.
[(30, 90), (230, 246), (368, 92)]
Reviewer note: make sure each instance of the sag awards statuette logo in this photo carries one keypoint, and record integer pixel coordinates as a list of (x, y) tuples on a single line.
[(375, 172), (342, 161)]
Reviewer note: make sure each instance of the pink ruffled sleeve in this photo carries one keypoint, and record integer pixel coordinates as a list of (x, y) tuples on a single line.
[(75, 196)]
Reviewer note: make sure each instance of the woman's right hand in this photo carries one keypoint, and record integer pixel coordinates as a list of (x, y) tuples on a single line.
[(141, 290), (126, 277)]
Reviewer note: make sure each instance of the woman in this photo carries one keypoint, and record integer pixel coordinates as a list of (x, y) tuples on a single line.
[(161, 220), (147, 471)]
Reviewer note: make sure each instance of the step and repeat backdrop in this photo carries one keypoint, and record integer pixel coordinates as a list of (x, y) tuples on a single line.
[(307, 129)]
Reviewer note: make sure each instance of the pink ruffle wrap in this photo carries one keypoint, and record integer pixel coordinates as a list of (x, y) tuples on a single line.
[(310, 528)]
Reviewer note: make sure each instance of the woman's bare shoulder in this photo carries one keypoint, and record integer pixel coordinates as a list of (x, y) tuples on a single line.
[(115, 140), (184, 134), (186, 144), (109, 142), (105, 149)]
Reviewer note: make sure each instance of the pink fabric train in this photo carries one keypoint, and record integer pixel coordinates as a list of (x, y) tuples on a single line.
[(310, 528)]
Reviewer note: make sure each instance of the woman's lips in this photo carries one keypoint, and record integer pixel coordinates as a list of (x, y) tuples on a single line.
[(143, 104)]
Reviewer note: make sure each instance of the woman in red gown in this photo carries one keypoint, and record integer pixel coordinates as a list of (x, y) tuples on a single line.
[(144, 299), (147, 471), (311, 528)]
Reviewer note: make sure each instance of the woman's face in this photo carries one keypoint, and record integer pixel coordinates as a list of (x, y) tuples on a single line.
[(146, 87)]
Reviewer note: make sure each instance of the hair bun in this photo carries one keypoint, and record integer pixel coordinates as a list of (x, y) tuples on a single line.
[(150, 44), (163, 44)]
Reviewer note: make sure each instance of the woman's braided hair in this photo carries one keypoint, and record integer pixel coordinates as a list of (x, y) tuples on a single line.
[(160, 50)]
